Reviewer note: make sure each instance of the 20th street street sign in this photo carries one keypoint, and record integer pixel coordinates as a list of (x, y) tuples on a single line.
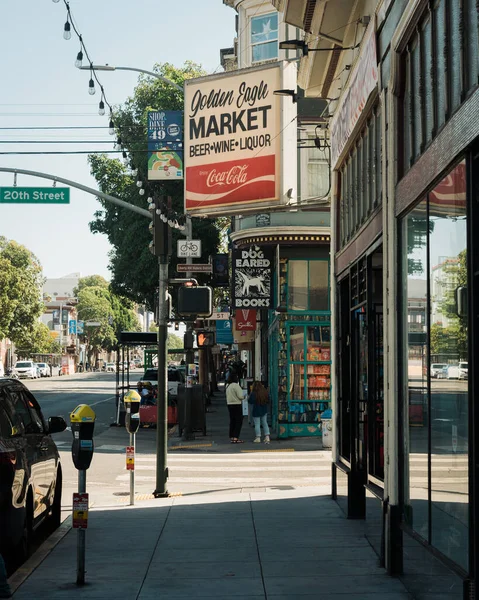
[(34, 195)]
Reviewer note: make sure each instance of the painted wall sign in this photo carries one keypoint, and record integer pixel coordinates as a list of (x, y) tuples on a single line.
[(363, 81), (232, 140), (252, 268)]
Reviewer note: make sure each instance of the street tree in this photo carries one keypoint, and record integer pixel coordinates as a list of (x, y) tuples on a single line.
[(20, 290), (37, 340), (134, 269)]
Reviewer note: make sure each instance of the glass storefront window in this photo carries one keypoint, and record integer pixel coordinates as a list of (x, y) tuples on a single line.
[(436, 477), (308, 285)]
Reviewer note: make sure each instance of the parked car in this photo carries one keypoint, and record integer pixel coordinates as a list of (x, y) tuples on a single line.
[(2, 370), (44, 369), (463, 370), (30, 470), (437, 370), (452, 371), (110, 367), (175, 377), (26, 369)]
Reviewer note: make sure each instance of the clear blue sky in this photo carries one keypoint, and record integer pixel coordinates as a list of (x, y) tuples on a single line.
[(41, 87)]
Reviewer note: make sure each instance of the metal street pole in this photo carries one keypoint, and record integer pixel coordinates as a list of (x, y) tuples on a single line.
[(162, 395), (188, 433)]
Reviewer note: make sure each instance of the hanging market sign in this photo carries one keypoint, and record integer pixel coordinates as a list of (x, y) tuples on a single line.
[(165, 145), (364, 79), (234, 140), (245, 320), (252, 281)]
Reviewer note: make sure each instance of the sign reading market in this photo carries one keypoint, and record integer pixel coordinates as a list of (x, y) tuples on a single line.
[(232, 141)]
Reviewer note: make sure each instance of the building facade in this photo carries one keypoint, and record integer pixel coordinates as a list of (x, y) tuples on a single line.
[(291, 349), (402, 77)]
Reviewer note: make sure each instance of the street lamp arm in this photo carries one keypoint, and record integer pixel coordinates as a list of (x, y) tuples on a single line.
[(113, 68), (153, 74), (84, 188)]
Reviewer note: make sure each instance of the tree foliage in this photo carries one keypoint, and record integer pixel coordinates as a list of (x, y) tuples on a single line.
[(98, 303), (20, 290), (37, 340), (134, 269)]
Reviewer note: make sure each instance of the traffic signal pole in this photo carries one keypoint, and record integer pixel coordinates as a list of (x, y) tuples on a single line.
[(162, 396), (161, 233), (188, 433)]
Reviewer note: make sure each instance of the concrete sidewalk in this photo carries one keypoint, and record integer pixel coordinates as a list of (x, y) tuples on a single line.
[(278, 545)]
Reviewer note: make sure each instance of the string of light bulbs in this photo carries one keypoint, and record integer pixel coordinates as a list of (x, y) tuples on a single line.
[(167, 215)]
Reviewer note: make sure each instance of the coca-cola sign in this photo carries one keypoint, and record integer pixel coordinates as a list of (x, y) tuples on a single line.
[(233, 141)]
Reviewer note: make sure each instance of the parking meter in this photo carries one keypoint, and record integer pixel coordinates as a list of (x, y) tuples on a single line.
[(82, 422), (132, 401)]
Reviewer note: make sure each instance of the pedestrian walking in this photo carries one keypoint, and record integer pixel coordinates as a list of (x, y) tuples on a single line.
[(259, 399), (5, 591), (234, 400)]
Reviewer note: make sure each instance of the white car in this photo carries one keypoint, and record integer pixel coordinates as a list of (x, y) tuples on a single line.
[(463, 370), (26, 369), (437, 370), (110, 368), (453, 372), (44, 369)]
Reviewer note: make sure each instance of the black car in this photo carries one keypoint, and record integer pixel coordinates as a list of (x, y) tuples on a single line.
[(30, 470)]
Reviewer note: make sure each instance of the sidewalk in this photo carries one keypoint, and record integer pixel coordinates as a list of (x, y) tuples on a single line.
[(276, 546), (217, 434)]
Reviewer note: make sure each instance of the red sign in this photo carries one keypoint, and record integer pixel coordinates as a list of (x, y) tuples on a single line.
[(130, 458), (80, 511), (245, 320)]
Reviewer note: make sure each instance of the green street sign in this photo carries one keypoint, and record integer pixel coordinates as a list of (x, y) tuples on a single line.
[(34, 195)]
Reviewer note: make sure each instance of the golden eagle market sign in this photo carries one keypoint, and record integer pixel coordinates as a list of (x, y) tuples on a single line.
[(232, 140), (252, 277), (363, 81)]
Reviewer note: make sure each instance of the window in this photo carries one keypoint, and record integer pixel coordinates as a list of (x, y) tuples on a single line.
[(264, 37), (436, 405), (308, 285), (318, 170), (26, 411)]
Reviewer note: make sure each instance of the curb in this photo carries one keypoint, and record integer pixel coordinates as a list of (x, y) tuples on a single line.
[(35, 560)]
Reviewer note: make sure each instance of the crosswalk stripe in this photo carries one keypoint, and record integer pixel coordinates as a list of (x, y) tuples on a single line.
[(239, 469), (261, 482)]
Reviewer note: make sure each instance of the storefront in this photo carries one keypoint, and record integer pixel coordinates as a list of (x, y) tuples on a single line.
[(299, 338)]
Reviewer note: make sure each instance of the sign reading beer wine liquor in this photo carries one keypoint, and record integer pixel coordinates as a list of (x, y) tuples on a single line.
[(232, 141), (252, 277)]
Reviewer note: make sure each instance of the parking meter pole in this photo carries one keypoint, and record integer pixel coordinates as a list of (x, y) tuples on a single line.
[(132, 472), (82, 421), (81, 535), (162, 397)]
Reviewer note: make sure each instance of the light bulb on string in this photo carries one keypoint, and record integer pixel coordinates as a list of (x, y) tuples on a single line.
[(67, 34), (164, 218), (91, 87), (79, 59), (134, 172), (111, 127), (149, 200), (56, 1), (125, 158), (139, 183), (151, 205), (101, 108), (170, 222)]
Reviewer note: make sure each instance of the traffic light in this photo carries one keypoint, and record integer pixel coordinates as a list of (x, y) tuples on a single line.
[(158, 229), (220, 270)]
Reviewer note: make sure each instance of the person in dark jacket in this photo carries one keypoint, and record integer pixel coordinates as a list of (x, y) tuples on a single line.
[(259, 399)]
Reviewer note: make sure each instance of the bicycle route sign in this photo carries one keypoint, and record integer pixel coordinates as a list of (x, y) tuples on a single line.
[(34, 195), (189, 249)]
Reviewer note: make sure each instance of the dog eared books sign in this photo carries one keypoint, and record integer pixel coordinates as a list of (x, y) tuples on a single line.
[(252, 277), (237, 135)]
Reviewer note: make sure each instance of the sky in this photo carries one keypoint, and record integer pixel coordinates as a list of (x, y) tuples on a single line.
[(42, 88)]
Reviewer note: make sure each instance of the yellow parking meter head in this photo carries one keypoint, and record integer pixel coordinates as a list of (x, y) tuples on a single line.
[(83, 414), (132, 396)]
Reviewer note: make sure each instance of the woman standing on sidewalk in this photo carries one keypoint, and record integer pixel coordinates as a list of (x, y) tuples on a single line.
[(234, 400), (259, 399)]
